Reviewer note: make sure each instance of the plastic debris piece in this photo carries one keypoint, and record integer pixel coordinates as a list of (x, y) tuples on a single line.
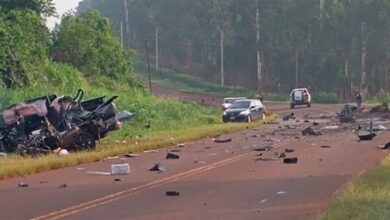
[(120, 169), (172, 193), (63, 185), (157, 167), (131, 155), (23, 185), (99, 173), (222, 140), (172, 156), (290, 160), (289, 150)]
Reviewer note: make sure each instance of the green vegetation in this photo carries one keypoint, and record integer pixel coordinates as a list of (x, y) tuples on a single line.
[(171, 79), (326, 98), (365, 198), (323, 39)]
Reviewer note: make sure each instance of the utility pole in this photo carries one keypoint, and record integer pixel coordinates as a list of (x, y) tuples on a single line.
[(122, 34), (157, 70), (222, 55), (296, 67), (147, 59), (363, 75), (258, 52)]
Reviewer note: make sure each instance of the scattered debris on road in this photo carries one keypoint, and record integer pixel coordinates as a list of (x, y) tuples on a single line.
[(290, 160), (290, 116), (172, 156), (63, 185), (131, 155), (100, 173), (118, 180), (23, 185), (172, 193), (268, 148), (325, 146), (157, 167), (366, 137), (120, 169), (222, 140), (310, 131), (289, 150), (43, 181), (180, 145)]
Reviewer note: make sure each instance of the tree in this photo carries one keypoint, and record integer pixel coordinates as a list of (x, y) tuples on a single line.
[(86, 41)]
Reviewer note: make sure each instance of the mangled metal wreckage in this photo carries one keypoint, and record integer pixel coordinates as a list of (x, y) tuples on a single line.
[(44, 124)]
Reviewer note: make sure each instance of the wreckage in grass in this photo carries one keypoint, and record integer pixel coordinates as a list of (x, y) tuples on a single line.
[(46, 123)]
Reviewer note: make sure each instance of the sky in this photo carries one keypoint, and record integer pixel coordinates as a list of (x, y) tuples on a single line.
[(62, 6)]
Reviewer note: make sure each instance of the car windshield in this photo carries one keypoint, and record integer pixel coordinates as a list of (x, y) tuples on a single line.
[(240, 104), (229, 100)]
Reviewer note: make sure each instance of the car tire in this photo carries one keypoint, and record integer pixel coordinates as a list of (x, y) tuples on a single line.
[(249, 119)]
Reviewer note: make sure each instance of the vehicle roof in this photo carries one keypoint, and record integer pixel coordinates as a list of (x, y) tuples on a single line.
[(235, 98), (299, 89)]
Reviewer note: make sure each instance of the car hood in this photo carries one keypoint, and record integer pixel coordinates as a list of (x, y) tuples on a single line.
[(234, 110)]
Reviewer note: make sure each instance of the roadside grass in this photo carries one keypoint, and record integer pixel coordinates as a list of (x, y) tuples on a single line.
[(171, 79), (367, 197), (15, 165)]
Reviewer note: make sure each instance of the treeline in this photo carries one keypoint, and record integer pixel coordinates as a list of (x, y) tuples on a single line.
[(31, 56), (327, 45)]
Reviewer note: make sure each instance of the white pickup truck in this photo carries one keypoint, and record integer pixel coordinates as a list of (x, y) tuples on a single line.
[(300, 96)]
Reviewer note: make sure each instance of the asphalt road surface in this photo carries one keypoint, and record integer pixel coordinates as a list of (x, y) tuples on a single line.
[(232, 180)]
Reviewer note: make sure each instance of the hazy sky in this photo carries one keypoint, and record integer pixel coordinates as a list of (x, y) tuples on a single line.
[(62, 6)]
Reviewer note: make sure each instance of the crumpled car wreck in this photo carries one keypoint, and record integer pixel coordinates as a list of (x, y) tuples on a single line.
[(51, 122)]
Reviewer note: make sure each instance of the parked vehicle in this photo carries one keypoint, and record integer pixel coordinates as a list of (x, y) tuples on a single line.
[(245, 110), (229, 100), (300, 96)]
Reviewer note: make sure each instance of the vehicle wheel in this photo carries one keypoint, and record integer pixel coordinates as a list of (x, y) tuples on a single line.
[(292, 106), (249, 119), (85, 142), (308, 105)]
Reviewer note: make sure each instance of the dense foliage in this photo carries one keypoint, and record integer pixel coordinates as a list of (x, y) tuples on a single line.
[(322, 39), (87, 43)]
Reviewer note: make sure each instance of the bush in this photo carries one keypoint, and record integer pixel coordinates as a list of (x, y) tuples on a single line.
[(382, 97)]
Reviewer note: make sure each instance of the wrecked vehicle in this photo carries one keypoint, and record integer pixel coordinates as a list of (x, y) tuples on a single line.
[(46, 123), (348, 113)]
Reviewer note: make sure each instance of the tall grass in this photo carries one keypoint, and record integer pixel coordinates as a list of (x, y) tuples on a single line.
[(365, 198)]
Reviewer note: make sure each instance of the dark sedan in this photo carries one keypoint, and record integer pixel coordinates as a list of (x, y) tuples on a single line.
[(246, 110)]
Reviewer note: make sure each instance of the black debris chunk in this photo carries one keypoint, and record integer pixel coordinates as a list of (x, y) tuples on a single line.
[(282, 155), (157, 167), (306, 121), (288, 150), (118, 180), (386, 146), (315, 123), (131, 155), (172, 193), (325, 146), (367, 137), (172, 156), (290, 160), (289, 116), (43, 181), (223, 140), (263, 148), (310, 131), (63, 185), (23, 185)]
